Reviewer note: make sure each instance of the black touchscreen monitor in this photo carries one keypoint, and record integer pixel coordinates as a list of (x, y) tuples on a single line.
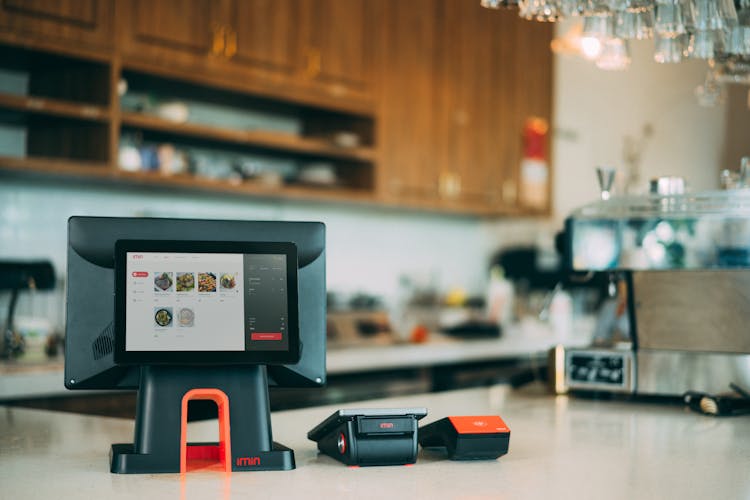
[(205, 302)]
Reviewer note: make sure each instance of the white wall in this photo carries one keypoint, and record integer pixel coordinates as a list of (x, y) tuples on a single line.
[(367, 248), (595, 110)]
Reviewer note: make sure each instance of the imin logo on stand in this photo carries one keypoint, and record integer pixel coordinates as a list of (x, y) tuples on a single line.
[(247, 461)]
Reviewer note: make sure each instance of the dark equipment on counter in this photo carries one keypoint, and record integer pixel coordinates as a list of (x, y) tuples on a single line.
[(382, 436), (16, 276), (680, 276), (474, 329), (240, 390), (522, 265), (89, 349), (719, 405), (467, 437)]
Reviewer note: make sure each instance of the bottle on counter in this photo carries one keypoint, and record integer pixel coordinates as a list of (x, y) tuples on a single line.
[(499, 298), (561, 314)]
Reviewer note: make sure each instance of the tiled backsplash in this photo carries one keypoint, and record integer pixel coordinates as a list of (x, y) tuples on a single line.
[(368, 249)]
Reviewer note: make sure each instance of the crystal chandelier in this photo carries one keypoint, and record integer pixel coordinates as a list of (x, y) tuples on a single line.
[(717, 31)]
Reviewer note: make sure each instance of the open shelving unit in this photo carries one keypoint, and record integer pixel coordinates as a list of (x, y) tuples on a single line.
[(273, 141), (56, 113), (54, 107), (69, 120)]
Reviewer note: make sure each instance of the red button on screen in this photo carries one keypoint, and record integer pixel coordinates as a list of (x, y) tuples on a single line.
[(140, 274), (265, 336)]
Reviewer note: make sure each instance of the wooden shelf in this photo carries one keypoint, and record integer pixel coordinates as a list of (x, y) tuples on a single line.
[(255, 188), (99, 172), (102, 172), (276, 141), (56, 107), (448, 207), (287, 93), (56, 166)]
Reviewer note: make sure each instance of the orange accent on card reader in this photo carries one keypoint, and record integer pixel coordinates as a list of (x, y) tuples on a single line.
[(485, 424)]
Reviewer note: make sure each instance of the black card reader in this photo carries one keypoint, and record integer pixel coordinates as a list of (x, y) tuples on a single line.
[(371, 436)]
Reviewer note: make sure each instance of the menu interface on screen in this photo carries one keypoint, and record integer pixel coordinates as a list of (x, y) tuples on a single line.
[(206, 302)]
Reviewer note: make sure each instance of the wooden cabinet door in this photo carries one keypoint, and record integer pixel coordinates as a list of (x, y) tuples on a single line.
[(477, 104), (303, 48), (458, 82), (406, 121), (81, 23), (338, 44), (534, 98), (263, 37), (174, 32)]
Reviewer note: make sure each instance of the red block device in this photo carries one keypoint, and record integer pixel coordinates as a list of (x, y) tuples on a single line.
[(484, 437)]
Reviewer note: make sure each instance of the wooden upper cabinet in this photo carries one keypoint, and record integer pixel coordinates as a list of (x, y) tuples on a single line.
[(262, 36), (177, 32), (257, 37), (406, 83), (447, 104), (457, 82), (85, 24), (318, 47), (534, 91), (338, 41), (477, 101)]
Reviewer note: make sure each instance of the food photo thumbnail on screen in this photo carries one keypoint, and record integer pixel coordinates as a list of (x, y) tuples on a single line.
[(167, 311)]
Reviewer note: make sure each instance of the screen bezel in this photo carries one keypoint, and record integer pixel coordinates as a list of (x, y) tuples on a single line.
[(124, 357)]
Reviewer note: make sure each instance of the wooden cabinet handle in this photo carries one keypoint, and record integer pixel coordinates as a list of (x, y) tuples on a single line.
[(231, 43), (449, 185), (219, 39), (313, 63), (509, 192)]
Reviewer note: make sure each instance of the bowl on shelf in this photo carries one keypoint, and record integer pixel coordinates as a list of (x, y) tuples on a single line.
[(318, 174), (174, 111)]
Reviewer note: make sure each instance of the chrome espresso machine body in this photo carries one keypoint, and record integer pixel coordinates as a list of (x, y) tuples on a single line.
[(685, 260)]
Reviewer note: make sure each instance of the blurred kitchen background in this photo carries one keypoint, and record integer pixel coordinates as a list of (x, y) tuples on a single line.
[(442, 143)]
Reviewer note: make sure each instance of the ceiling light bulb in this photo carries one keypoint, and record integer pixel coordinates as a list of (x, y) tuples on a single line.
[(615, 55), (591, 47)]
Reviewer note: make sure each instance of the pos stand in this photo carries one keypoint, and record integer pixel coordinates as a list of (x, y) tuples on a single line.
[(241, 394)]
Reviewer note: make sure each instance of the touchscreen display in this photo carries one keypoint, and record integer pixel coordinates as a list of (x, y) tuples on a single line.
[(178, 302), (206, 302)]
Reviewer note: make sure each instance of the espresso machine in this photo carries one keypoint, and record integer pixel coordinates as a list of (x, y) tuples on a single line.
[(679, 265)]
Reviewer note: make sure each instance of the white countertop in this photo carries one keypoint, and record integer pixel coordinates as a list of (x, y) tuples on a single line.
[(526, 339), (531, 339), (560, 447)]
